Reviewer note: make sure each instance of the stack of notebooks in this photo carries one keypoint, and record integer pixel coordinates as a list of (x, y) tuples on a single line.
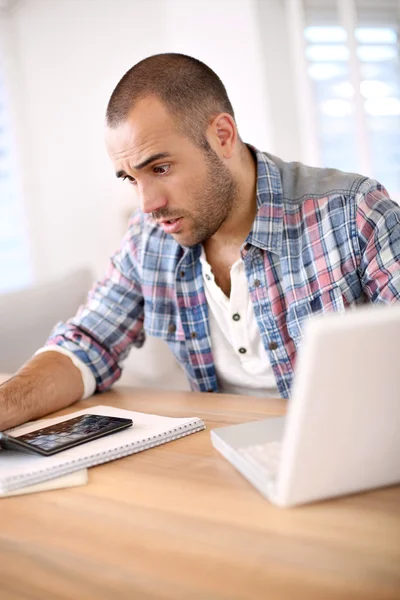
[(25, 473)]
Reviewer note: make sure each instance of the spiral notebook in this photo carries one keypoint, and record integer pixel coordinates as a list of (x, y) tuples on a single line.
[(18, 470), (64, 481)]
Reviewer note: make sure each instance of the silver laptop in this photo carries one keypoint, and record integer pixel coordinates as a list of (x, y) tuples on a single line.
[(341, 433)]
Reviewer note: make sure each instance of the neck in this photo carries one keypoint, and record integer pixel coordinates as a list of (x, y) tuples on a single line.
[(240, 221)]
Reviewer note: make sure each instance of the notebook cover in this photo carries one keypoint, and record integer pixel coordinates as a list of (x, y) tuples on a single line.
[(65, 481)]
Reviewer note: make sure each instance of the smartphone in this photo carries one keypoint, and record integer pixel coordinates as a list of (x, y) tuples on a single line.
[(67, 434)]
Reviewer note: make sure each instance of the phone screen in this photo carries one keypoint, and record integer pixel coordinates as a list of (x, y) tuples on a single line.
[(64, 435)]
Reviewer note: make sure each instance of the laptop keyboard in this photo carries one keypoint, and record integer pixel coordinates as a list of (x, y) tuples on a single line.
[(263, 456)]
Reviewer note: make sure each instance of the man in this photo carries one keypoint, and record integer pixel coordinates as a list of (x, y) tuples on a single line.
[(231, 253)]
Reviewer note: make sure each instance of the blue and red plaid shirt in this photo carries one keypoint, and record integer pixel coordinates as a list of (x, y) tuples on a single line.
[(322, 240)]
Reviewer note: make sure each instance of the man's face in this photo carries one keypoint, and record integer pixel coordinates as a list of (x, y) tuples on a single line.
[(190, 192)]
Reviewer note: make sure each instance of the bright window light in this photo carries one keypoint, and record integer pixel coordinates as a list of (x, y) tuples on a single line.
[(383, 107), (375, 35), (325, 71), (376, 53), (375, 89), (323, 35), (327, 53), (334, 79)]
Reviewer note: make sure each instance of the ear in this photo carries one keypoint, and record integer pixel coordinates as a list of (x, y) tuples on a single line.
[(223, 133)]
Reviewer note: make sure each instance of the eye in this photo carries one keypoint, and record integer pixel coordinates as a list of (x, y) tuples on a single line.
[(161, 169), (131, 180)]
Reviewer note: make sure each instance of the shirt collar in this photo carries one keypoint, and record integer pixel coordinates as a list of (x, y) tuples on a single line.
[(267, 229)]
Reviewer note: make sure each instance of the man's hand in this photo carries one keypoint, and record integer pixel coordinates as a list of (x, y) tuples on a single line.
[(46, 383)]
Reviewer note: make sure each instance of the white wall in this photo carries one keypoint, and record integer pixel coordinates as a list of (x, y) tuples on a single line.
[(69, 56), (276, 56), (226, 35)]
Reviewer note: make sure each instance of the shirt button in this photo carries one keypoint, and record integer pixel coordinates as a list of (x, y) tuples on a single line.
[(208, 277), (257, 283), (236, 317), (273, 346), (242, 350), (182, 273), (171, 328), (194, 334), (210, 390)]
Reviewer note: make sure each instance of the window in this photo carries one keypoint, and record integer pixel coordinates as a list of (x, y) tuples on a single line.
[(15, 266), (352, 58)]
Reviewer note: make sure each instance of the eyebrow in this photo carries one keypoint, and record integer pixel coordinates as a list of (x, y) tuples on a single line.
[(145, 163)]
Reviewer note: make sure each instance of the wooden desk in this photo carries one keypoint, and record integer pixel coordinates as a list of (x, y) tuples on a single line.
[(178, 522)]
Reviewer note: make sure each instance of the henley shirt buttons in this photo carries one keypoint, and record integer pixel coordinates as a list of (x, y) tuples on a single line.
[(236, 317), (242, 350), (257, 283), (194, 334), (208, 277), (182, 273), (210, 390), (171, 328), (273, 346)]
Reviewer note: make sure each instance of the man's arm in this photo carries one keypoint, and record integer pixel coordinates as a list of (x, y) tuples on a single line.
[(378, 225), (99, 336), (105, 328), (48, 382)]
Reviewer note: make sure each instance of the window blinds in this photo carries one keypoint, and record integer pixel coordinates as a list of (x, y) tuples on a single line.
[(370, 13), (382, 13)]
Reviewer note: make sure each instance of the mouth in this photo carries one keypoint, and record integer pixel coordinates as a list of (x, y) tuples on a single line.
[(171, 225)]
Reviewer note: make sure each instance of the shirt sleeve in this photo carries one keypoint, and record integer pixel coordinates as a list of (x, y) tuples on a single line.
[(88, 380), (378, 226), (111, 322)]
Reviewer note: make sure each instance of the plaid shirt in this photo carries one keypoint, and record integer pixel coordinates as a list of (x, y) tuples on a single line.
[(322, 240)]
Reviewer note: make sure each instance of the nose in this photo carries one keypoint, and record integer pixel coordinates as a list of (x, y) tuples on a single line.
[(151, 198)]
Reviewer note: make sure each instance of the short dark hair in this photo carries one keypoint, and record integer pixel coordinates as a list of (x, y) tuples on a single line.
[(189, 89)]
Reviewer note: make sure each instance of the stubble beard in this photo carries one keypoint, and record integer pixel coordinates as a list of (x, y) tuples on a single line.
[(216, 200)]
